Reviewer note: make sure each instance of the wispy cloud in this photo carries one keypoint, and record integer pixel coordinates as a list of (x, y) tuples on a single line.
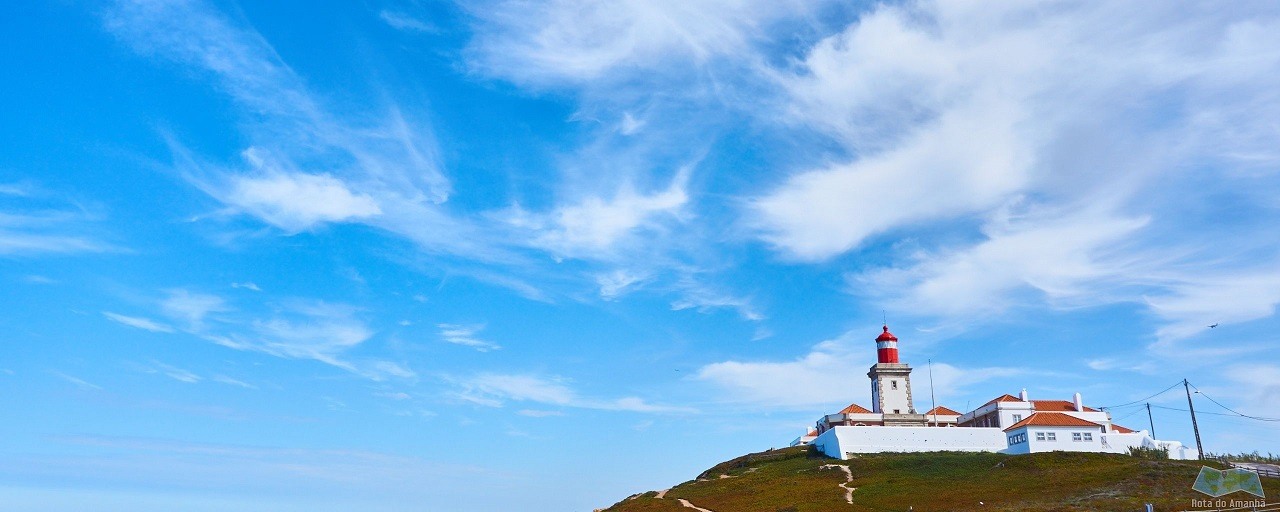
[(137, 322), (223, 379), (595, 226), (703, 299), (81, 383), (406, 22), (939, 131), (174, 372), (295, 329), (465, 335), (617, 283), (306, 166), (494, 390), (36, 221), (577, 41)]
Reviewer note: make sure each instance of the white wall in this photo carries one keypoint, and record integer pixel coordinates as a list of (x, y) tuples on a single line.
[(842, 440), (893, 399), (1120, 443), (1065, 441), (1013, 412)]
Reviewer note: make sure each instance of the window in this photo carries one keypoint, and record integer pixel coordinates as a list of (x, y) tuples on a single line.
[(1075, 436), (1017, 418), (1088, 436), (897, 411), (1053, 436), (893, 384), (1017, 439), (1039, 436)]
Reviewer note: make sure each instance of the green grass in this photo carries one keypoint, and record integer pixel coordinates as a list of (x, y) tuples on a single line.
[(791, 480)]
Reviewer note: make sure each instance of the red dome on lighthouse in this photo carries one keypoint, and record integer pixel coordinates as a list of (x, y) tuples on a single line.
[(887, 347), (886, 335)]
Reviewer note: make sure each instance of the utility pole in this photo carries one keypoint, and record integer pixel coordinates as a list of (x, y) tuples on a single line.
[(1194, 426), (932, 398), (1151, 422)]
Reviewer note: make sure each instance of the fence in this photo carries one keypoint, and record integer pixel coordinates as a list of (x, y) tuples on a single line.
[(1267, 470)]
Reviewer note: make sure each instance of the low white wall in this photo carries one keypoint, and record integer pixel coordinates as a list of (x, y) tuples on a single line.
[(843, 440)]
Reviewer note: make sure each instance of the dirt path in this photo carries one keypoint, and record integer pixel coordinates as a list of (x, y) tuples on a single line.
[(848, 475), (692, 506), (662, 493)]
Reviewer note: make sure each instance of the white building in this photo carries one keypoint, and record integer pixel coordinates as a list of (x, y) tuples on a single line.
[(1006, 424)]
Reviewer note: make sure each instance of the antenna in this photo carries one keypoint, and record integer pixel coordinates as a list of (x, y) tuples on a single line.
[(931, 396), (885, 317)]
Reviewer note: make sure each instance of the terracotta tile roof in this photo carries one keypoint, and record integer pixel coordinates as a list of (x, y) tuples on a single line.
[(1002, 398), (1058, 405), (1052, 419), (1122, 430), (942, 411), (854, 409), (812, 433)]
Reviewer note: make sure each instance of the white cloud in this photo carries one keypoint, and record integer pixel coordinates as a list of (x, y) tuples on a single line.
[(1113, 126), (81, 383), (1060, 258), (137, 322), (629, 124), (523, 388), (817, 378), (223, 379), (576, 41), (299, 201), (595, 225), (493, 390), (821, 377), (28, 225), (704, 300), (297, 329), (176, 373), (247, 286), (536, 413), (306, 164), (1256, 387), (192, 308), (1191, 305), (405, 22), (617, 283), (313, 330), (466, 335), (965, 162)]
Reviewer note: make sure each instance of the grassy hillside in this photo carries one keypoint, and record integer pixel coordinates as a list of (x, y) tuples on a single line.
[(797, 480)]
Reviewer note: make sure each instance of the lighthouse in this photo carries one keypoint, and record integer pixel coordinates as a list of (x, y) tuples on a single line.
[(891, 383), (887, 347)]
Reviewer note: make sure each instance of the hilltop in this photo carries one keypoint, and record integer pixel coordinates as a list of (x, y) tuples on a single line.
[(801, 480)]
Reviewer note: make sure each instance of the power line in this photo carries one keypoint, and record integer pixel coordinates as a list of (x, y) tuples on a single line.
[(1141, 400), (1235, 415), (1127, 415), (1238, 413)]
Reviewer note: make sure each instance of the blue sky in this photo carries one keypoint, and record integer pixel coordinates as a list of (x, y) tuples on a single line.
[(389, 255)]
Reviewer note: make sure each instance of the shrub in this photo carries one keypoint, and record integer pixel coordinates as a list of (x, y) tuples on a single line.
[(1143, 452)]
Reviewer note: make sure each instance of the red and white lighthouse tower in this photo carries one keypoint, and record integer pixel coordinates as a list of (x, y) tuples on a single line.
[(891, 384), (887, 347)]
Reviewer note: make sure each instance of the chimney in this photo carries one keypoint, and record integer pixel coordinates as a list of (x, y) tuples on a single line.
[(1079, 404), (1023, 395)]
